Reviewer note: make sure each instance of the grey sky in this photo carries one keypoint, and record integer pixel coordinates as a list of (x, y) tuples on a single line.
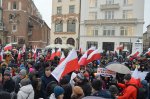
[(45, 8)]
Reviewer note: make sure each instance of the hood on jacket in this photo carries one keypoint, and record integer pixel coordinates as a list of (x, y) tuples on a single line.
[(27, 89)]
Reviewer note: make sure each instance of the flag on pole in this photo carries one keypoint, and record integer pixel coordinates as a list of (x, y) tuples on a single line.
[(19, 55), (68, 65), (1, 56), (83, 59), (58, 53), (95, 55), (62, 58), (24, 48), (53, 54), (90, 50)]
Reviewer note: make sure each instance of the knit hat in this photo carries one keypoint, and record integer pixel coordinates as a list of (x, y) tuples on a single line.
[(25, 81), (78, 90), (58, 91), (7, 72), (23, 72), (113, 89)]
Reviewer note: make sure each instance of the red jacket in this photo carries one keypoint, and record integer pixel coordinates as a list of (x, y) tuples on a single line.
[(129, 92)]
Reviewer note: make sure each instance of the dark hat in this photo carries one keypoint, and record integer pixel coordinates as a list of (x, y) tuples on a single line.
[(25, 81), (7, 72), (97, 84), (113, 89), (58, 91), (23, 72), (127, 77)]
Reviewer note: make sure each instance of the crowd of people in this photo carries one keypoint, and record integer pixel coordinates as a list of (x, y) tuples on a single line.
[(28, 78)]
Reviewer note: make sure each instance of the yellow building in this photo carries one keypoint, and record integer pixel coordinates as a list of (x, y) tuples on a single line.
[(65, 22)]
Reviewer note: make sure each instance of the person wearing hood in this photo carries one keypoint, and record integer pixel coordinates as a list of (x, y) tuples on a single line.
[(129, 89), (26, 91), (58, 93)]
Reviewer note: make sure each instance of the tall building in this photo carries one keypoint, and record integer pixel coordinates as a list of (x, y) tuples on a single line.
[(23, 24), (107, 24), (65, 22), (146, 39)]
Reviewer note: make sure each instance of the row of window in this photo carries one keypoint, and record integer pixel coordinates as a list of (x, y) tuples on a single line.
[(14, 5), (71, 26), (127, 14), (110, 31), (93, 3), (71, 9), (70, 41)]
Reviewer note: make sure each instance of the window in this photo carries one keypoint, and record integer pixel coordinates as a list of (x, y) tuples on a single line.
[(71, 26), (128, 2), (109, 2), (127, 14), (126, 31), (59, 0), (109, 14), (92, 31), (14, 6), (14, 28), (92, 15), (58, 41), (11, 17), (108, 31), (59, 26), (71, 41), (92, 3), (9, 5), (59, 10), (91, 43), (108, 46), (71, 9)]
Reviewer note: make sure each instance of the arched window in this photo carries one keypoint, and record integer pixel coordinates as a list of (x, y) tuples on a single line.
[(71, 41), (58, 41), (59, 26), (14, 5), (71, 26)]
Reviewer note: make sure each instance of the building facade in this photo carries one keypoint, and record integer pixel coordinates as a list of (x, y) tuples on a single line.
[(65, 22), (23, 23), (146, 39), (107, 24)]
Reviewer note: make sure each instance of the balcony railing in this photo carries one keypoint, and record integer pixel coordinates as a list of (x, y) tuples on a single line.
[(111, 21), (109, 6)]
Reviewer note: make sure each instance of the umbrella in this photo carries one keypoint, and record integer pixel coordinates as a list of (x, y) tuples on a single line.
[(93, 97), (119, 68)]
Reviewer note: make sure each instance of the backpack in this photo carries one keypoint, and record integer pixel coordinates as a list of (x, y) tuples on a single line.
[(141, 92)]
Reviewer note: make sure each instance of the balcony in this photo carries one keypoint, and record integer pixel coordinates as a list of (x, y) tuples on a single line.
[(111, 21), (109, 6)]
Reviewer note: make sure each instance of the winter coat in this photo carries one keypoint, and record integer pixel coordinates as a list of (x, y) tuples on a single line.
[(26, 92), (9, 85), (52, 96), (102, 93), (129, 91)]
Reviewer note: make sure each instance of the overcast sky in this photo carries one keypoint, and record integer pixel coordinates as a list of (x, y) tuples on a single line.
[(45, 8)]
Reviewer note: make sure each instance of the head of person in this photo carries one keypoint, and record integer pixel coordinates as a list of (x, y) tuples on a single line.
[(127, 78), (47, 71), (113, 90), (25, 81), (22, 73), (79, 78), (59, 92), (96, 85), (77, 92), (7, 74)]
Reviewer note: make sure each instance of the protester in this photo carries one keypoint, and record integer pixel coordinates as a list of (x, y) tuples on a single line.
[(58, 93), (77, 93)]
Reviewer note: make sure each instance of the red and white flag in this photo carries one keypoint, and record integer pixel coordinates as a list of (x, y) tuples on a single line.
[(1, 56), (68, 65), (8, 47), (135, 54), (53, 54), (83, 59), (19, 55), (62, 58), (95, 55), (148, 52), (90, 50), (34, 53), (120, 47), (58, 53), (136, 76), (24, 48)]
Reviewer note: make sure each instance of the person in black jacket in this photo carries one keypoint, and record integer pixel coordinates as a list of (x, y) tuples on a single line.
[(8, 83)]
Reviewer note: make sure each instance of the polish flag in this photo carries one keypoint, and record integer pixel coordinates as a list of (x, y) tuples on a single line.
[(83, 59), (23, 48), (136, 76), (19, 55), (1, 56), (53, 54), (136, 54), (62, 58), (148, 52), (95, 55), (8, 47), (58, 53), (120, 47), (90, 50), (34, 53), (68, 65)]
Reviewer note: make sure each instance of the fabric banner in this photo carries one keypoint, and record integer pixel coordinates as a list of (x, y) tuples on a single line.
[(105, 72)]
